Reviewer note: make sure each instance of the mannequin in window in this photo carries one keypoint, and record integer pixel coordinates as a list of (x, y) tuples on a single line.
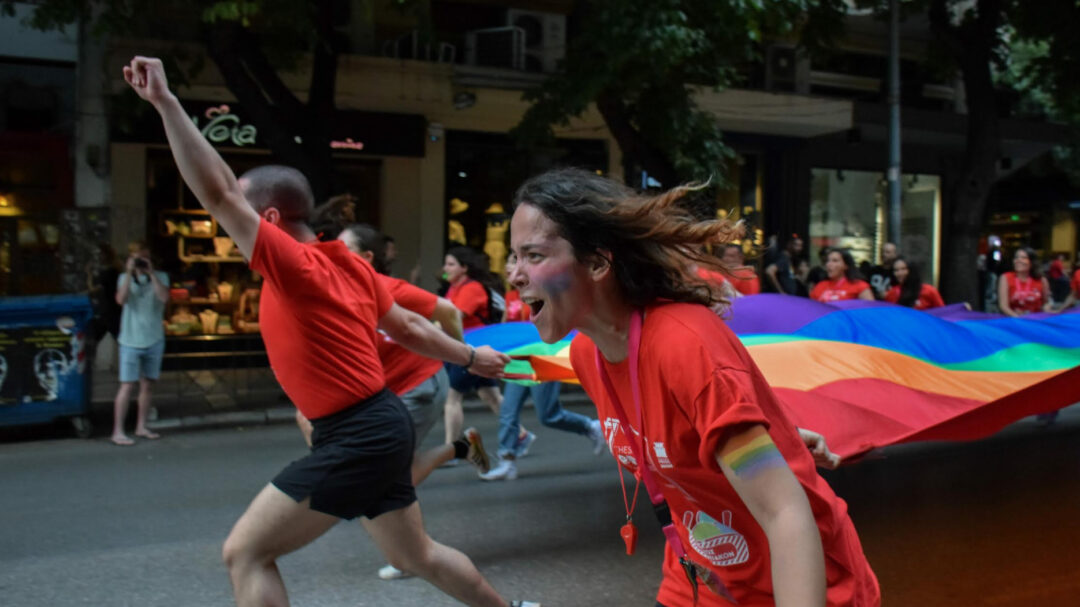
[(455, 229), (495, 242)]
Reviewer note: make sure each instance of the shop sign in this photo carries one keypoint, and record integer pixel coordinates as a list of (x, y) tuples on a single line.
[(222, 126)]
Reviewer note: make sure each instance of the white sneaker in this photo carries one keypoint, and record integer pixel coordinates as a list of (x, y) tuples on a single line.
[(596, 435), (390, 572), (524, 604), (505, 471)]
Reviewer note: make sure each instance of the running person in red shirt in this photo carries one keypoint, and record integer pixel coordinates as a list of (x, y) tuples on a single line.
[(1025, 289), (320, 306), (748, 507), (743, 279), (470, 279), (843, 280), (909, 290), (421, 383)]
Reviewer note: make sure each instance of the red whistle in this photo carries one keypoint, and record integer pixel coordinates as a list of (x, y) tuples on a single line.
[(629, 535)]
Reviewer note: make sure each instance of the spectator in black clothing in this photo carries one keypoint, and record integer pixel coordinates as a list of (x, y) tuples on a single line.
[(818, 273), (779, 274), (802, 272), (880, 277)]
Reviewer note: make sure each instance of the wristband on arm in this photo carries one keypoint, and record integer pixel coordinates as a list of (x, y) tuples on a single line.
[(472, 357)]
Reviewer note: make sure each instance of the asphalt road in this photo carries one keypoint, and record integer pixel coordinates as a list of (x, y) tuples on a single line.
[(85, 523)]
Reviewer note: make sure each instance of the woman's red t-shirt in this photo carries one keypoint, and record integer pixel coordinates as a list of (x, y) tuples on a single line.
[(472, 299), (744, 280), (405, 369), (697, 383), (1024, 295), (928, 297), (838, 290)]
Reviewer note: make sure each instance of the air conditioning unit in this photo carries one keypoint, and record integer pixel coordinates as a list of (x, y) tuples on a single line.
[(781, 69), (545, 38), (496, 47)]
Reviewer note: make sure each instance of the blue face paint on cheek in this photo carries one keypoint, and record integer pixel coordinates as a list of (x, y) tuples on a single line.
[(555, 282)]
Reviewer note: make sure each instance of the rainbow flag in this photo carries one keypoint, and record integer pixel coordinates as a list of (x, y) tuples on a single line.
[(871, 374)]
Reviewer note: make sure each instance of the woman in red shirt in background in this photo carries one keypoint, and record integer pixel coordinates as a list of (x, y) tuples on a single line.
[(843, 280), (747, 510), (1025, 289), (467, 272), (909, 290)]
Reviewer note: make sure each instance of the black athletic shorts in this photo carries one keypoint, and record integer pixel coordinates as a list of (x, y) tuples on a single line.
[(359, 463), (465, 382)]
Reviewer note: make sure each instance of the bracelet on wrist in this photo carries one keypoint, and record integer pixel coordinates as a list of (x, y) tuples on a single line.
[(472, 357)]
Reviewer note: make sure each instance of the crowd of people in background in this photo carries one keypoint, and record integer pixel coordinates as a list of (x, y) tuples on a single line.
[(1021, 286)]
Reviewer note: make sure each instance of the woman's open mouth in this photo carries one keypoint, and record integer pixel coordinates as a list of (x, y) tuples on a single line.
[(535, 305)]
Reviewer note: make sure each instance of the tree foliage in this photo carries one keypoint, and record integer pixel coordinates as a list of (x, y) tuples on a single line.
[(252, 43), (641, 62)]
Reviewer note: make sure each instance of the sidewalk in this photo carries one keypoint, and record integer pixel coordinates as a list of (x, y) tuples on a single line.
[(198, 399)]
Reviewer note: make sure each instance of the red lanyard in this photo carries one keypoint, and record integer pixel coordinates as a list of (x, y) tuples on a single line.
[(663, 513)]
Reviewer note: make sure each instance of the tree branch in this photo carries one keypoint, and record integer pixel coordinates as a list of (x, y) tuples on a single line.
[(325, 64), (632, 143), (945, 31), (221, 45), (266, 76)]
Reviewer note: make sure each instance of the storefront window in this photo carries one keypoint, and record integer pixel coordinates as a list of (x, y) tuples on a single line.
[(212, 290), (483, 170), (741, 199), (849, 209)]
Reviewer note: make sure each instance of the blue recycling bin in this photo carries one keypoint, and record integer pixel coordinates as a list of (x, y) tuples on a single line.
[(43, 362)]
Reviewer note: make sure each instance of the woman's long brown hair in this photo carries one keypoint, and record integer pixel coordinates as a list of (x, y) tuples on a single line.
[(651, 241)]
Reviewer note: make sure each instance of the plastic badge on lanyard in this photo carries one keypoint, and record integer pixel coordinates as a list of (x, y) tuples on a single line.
[(663, 513)]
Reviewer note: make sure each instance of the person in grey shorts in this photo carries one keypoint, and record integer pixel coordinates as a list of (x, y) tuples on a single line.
[(143, 292), (425, 403)]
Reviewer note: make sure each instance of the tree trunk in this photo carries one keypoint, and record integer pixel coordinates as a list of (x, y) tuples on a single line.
[(966, 198), (279, 116), (637, 153)]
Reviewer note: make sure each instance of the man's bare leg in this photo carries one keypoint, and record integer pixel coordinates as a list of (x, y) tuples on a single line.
[(120, 409), (145, 390), (401, 537), (425, 462), (453, 415), (274, 525)]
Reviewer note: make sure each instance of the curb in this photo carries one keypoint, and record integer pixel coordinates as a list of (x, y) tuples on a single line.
[(287, 414)]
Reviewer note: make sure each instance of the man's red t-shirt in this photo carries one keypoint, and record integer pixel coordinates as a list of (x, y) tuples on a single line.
[(404, 368), (472, 299), (515, 308), (839, 289), (697, 383), (1076, 283), (319, 311), (928, 297), (1024, 295)]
